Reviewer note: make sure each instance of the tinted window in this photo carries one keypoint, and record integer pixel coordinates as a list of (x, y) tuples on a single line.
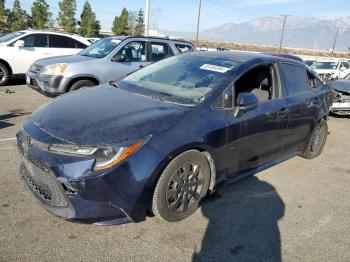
[(295, 79), (60, 41), (134, 51), (35, 40), (78, 44), (160, 51), (184, 48)]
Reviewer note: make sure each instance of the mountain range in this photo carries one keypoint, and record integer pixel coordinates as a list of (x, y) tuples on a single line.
[(303, 32)]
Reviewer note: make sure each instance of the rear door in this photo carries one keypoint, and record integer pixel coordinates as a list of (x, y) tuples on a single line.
[(304, 103), (63, 45)]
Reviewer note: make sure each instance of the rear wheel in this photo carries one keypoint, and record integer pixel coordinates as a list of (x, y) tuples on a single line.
[(4, 74), (181, 187), (81, 83), (317, 141)]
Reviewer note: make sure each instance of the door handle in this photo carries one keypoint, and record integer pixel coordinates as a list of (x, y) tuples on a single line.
[(283, 112)]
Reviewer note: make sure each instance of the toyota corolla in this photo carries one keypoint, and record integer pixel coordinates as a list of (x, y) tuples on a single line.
[(163, 137)]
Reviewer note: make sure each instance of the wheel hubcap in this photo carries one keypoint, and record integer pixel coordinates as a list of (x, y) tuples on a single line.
[(2, 74), (185, 187)]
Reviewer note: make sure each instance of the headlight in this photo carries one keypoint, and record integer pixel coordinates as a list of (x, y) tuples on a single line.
[(54, 69), (105, 157)]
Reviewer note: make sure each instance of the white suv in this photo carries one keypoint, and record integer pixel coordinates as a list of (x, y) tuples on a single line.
[(331, 69), (20, 49)]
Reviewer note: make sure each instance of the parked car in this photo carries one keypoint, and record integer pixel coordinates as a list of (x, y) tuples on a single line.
[(331, 69), (20, 49), (341, 96), (162, 137), (106, 60)]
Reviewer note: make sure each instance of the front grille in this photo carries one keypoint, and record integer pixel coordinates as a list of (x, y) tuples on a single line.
[(35, 68), (42, 182)]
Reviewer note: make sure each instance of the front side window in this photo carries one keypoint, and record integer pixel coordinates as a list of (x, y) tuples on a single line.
[(183, 79), (160, 51), (100, 48), (35, 40), (344, 64), (184, 48), (295, 78), (134, 51)]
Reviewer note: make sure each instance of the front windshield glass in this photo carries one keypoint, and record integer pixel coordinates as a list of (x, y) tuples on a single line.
[(325, 65), (347, 77), (184, 79), (8, 37), (100, 48)]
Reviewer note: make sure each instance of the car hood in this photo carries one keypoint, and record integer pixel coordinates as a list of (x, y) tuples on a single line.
[(63, 59), (105, 115), (342, 85)]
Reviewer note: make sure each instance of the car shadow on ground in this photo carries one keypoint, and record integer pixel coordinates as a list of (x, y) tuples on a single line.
[(13, 114), (242, 225)]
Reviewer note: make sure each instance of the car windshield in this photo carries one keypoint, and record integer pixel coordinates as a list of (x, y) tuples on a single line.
[(8, 37), (325, 65), (100, 48), (181, 79), (347, 77)]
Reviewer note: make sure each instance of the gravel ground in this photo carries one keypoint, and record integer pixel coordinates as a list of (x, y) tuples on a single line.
[(296, 211)]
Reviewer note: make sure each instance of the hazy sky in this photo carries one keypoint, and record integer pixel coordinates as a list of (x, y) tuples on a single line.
[(182, 14)]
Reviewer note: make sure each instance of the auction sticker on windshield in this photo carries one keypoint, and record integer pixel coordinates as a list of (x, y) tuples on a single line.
[(215, 68)]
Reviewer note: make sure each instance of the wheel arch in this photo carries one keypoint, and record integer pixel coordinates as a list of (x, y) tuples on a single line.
[(7, 65), (78, 78)]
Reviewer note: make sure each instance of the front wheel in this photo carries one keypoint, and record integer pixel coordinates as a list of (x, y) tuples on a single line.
[(4, 74), (182, 186), (317, 141), (81, 83)]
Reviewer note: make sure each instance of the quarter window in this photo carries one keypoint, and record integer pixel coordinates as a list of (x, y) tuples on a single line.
[(134, 51), (295, 78), (160, 51)]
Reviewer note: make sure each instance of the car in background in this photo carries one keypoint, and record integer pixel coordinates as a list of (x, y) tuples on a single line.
[(108, 59), (162, 137), (331, 69), (18, 50), (309, 62), (341, 96)]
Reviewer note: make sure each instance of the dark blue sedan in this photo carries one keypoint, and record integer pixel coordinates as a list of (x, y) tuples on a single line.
[(163, 137)]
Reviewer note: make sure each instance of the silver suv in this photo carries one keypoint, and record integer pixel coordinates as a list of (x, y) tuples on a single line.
[(108, 59)]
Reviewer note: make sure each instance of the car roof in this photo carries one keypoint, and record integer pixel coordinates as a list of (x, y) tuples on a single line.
[(123, 37), (243, 57)]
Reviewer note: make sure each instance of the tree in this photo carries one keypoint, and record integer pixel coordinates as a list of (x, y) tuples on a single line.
[(140, 26), (66, 15), (89, 26), (3, 17), (18, 18), (40, 14), (120, 24), (132, 20)]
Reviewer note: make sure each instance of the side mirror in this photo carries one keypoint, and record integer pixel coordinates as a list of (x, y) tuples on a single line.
[(119, 58), (245, 101), (19, 44)]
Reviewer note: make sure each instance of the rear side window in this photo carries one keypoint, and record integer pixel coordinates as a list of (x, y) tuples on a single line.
[(35, 40), (160, 51), (295, 79), (184, 48), (60, 41)]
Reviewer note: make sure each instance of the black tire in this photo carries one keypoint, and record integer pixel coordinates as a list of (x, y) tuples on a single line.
[(317, 141), (81, 83), (181, 187), (4, 74)]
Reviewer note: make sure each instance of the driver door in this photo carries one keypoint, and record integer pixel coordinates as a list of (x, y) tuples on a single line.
[(36, 46), (136, 56)]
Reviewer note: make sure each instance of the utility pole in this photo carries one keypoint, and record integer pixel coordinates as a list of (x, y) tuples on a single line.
[(284, 25), (147, 11), (335, 40), (198, 20)]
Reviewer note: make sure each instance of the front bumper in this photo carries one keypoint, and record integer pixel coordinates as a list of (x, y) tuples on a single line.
[(341, 108), (47, 85), (66, 186)]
